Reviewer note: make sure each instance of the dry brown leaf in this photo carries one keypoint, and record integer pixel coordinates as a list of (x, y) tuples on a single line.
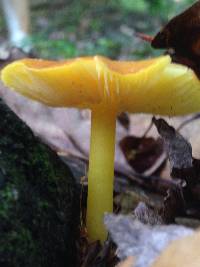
[(140, 122)]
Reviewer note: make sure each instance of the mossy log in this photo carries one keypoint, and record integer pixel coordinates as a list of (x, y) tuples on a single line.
[(37, 200)]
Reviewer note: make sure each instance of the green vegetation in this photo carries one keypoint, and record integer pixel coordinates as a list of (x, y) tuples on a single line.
[(101, 27), (62, 29)]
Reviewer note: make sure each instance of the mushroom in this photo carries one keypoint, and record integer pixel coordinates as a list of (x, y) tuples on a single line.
[(106, 87)]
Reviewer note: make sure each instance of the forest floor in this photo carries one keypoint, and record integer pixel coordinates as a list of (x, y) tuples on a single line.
[(146, 177)]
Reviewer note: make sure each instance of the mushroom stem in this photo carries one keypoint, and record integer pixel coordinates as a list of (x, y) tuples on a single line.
[(101, 171)]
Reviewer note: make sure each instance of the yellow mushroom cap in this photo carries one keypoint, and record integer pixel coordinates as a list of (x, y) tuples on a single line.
[(150, 86)]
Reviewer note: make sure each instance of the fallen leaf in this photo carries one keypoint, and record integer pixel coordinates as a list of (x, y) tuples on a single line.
[(182, 35), (147, 215), (129, 262), (178, 149), (181, 253), (143, 242), (143, 153), (183, 196)]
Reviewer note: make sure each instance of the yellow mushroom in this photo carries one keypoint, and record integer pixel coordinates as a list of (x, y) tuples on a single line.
[(106, 87)]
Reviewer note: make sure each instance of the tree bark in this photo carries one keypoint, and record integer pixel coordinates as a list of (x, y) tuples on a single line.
[(38, 210)]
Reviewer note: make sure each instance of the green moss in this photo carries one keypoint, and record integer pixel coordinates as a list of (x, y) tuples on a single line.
[(37, 214)]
